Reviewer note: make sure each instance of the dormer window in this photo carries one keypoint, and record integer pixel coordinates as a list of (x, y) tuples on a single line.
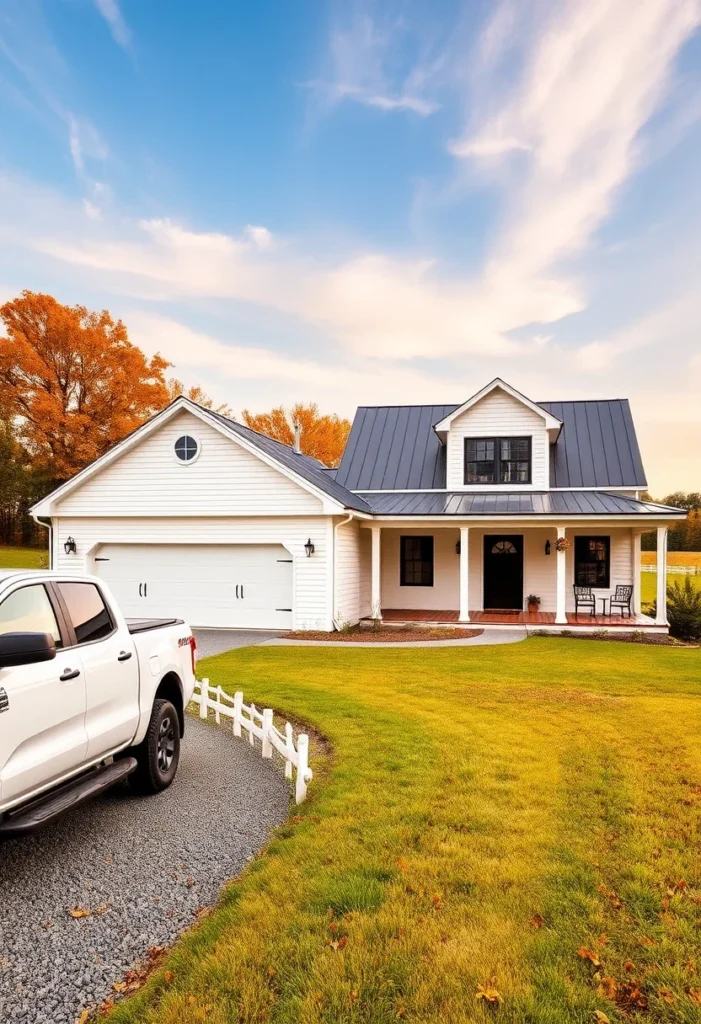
[(497, 460)]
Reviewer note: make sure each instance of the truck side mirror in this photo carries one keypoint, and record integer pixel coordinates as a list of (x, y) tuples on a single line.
[(25, 649)]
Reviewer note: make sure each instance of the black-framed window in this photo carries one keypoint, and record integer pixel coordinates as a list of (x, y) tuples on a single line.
[(497, 460), (592, 561), (416, 562)]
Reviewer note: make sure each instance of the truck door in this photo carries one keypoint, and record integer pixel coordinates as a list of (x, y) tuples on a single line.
[(111, 667), (42, 706)]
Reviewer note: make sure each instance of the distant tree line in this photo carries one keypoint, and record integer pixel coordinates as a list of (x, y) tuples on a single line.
[(684, 536)]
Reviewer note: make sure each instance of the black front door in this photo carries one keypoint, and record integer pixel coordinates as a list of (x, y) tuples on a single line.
[(503, 571)]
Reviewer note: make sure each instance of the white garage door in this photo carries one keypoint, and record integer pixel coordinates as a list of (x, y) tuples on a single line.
[(233, 585)]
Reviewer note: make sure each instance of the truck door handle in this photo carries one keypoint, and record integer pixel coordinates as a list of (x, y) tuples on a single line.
[(124, 656), (69, 674)]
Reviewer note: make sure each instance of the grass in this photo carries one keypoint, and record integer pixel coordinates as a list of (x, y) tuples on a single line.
[(486, 813), (23, 558), (648, 583)]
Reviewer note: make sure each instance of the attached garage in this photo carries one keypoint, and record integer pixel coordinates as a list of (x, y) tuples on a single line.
[(221, 585)]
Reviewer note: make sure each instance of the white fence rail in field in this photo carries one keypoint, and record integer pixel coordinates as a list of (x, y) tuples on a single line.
[(258, 725), (682, 570)]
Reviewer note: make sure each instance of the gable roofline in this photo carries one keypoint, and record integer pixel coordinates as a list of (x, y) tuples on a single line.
[(552, 424), (227, 427)]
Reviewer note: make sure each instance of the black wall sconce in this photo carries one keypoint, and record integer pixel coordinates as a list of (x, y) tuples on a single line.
[(547, 547), (309, 548), (457, 548), (69, 546)]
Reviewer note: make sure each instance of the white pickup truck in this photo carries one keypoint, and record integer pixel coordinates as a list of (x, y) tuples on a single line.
[(86, 698)]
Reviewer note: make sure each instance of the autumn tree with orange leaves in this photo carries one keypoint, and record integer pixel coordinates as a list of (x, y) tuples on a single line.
[(72, 382), (322, 436)]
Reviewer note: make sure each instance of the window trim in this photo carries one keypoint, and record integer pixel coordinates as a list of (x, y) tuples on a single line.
[(586, 537), (402, 558), (70, 631), (195, 457), (62, 623), (496, 440)]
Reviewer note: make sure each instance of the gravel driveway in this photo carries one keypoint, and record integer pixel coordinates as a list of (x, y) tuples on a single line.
[(148, 863)]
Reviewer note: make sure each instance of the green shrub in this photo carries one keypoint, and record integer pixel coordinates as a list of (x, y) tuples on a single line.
[(684, 610)]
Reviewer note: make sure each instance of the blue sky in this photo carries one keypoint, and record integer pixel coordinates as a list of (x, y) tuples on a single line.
[(371, 202)]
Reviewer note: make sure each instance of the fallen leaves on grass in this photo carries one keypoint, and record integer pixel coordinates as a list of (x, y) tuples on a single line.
[(489, 993), (588, 954), (607, 987), (537, 921), (601, 1017)]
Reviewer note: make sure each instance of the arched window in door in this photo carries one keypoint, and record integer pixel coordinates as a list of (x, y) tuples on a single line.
[(504, 547)]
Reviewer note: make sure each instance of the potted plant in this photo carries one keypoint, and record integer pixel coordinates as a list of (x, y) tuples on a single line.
[(533, 602)]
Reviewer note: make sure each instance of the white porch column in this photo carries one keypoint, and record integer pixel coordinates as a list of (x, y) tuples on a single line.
[(464, 574), (661, 619), (561, 591), (375, 595), (636, 570)]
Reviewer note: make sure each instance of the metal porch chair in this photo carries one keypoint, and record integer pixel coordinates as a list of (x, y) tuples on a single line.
[(584, 597), (622, 598)]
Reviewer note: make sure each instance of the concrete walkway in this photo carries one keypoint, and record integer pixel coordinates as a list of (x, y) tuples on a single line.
[(488, 637)]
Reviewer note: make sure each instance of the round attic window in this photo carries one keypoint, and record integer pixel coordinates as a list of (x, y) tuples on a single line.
[(187, 448)]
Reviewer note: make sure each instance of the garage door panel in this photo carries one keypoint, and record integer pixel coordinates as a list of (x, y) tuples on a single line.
[(248, 586)]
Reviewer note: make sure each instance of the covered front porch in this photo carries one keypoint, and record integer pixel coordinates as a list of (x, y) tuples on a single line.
[(485, 573)]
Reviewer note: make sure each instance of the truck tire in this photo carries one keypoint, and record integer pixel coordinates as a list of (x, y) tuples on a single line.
[(158, 754)]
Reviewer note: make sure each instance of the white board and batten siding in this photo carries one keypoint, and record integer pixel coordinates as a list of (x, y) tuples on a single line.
[(498, 414)]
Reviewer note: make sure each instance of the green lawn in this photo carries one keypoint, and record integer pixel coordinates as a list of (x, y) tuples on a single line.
[(23, 558), (648, 591), (487, 816)]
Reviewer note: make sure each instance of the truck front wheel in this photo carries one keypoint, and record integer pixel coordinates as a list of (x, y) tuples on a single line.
[(158, 754)]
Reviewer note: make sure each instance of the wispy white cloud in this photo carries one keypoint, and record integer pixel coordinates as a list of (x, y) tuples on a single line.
[(566, 134), (111, 12), (364, 65)]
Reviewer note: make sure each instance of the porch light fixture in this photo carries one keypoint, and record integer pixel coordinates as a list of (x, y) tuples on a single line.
[(457, 548), (547, 547), (69, 546), (309, 548)]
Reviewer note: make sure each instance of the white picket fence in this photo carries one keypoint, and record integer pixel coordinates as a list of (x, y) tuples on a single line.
[(258, 725), (681, 570)]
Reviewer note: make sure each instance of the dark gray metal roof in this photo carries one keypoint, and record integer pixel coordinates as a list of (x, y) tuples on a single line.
[(311, 470), (597, 446), (396, 447), (525, 503)]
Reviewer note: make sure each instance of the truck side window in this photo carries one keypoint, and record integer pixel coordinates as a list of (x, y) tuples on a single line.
[(28, 610), (87, 611)]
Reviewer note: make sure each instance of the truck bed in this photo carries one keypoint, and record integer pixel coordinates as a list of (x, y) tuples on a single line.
[(144, 625)]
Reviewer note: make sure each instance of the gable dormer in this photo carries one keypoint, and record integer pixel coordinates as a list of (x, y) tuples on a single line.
[(498, 440)]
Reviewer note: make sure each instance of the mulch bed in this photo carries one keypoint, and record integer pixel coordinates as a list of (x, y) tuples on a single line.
[(649, 639), (398, 636)]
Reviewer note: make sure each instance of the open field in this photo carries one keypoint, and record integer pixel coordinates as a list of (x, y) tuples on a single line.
[(501, 834), (673, 558), (648, 584), (23, 558)]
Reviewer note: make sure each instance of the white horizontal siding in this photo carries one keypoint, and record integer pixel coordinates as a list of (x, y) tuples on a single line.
[(498, 415), (311, 576), (539, 569), (445, 592), (225, 479), (365, 581), (347, 603)]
